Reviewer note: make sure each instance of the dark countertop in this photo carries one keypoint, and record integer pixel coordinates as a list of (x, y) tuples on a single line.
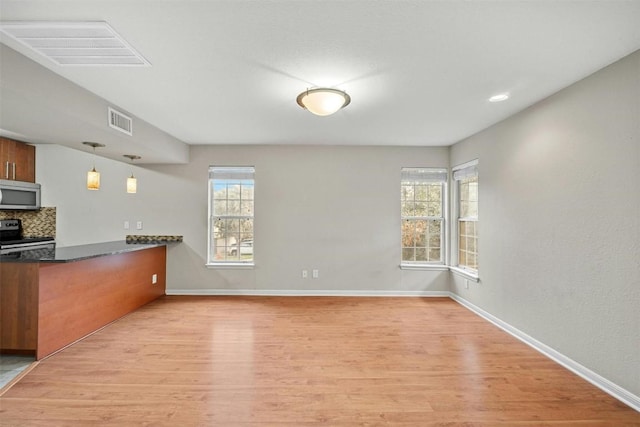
[(76, 253)]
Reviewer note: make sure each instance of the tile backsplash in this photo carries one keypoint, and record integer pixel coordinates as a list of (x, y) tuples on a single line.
[(40, 223)]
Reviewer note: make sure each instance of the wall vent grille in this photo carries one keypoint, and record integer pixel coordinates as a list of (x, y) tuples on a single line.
[(120, 121)]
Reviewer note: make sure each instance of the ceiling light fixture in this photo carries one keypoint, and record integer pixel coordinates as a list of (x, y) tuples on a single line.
[(132, 182), (323, 101), (93, 176), (499, 97)]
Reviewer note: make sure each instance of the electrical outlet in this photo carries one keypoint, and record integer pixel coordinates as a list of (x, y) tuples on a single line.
[(126, 225), (315, 274), (139, 225), (154, 279), (305, 274)]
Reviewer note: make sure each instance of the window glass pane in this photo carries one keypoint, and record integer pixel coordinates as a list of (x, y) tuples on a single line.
[(246, 209), (420, 209), (220, 191), (469, 197), (408, 208), (467, 244), (408, 230), (464, 209), (218, 226), (408, 254), (407, 192), (419, 238), (463, 258), (246, 191), (219, 207), (246, 227), (435, 193), (471, 260), (421, 192), (434, 209), (421, 254)]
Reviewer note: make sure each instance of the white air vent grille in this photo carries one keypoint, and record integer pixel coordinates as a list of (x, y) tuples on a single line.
[(120, 121), (74, 43)]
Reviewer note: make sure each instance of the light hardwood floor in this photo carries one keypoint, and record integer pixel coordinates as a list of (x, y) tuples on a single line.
[(289, 361)]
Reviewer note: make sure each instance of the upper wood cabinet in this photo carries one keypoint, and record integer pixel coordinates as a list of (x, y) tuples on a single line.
[(17, 160)]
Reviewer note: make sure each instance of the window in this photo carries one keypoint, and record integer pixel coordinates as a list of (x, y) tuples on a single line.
[(466, 180), (231, 203), (422, 215)]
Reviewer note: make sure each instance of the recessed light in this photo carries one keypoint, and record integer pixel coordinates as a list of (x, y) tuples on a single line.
[(499, 97)]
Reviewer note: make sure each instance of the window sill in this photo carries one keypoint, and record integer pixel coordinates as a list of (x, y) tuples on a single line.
[(465, 273), (231, 266), (425, 267)]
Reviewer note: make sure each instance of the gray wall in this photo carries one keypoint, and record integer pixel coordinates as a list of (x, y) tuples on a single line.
[(559, 222), (335, 209)]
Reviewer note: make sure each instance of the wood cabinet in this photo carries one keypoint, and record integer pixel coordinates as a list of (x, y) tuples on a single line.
[(44, 307), (17, 160)]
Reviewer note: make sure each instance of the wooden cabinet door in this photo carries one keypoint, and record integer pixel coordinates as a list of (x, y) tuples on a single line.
[(25, 161), (17, 160), (7, 153)]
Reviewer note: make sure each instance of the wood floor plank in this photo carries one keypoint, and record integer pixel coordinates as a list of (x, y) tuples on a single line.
[(293, 361)]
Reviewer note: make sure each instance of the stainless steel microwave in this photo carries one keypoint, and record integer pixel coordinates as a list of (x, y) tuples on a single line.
[(19, 195)]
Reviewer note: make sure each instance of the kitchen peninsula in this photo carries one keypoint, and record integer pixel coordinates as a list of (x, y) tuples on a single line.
[(51, 298)]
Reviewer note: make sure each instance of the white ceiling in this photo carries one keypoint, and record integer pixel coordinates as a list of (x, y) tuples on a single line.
[(418, 72)]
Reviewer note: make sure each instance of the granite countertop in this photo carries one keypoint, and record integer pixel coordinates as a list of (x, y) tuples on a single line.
[(146, 238), (76, 253)]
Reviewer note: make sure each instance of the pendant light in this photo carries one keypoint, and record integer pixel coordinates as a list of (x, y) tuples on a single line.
[(323, 101), (93, 176), (132, 182)]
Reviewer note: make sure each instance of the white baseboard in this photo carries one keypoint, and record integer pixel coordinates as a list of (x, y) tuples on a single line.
[(306, 293), (602, 383)]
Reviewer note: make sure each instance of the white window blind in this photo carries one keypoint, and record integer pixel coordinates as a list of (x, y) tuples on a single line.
[(424, 175), (467, 171), (231, 172)]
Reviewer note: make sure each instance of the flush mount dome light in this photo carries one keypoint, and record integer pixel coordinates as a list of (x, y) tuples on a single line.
[(323, 101)]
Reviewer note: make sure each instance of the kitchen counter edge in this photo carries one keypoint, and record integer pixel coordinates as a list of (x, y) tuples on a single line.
[(78, 253)]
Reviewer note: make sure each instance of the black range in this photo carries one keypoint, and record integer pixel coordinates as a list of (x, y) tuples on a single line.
[(12, 239)]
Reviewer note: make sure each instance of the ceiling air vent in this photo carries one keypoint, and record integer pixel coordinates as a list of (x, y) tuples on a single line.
[(75, 43), (120, 122)]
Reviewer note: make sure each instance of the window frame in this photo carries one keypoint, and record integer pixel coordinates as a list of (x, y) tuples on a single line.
[(432, 171), (458, 173), (243, 173)]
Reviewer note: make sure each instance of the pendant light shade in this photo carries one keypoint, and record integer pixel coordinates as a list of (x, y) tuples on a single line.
[(93, 176), (132, 182), (323, 101), (93, 179)]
